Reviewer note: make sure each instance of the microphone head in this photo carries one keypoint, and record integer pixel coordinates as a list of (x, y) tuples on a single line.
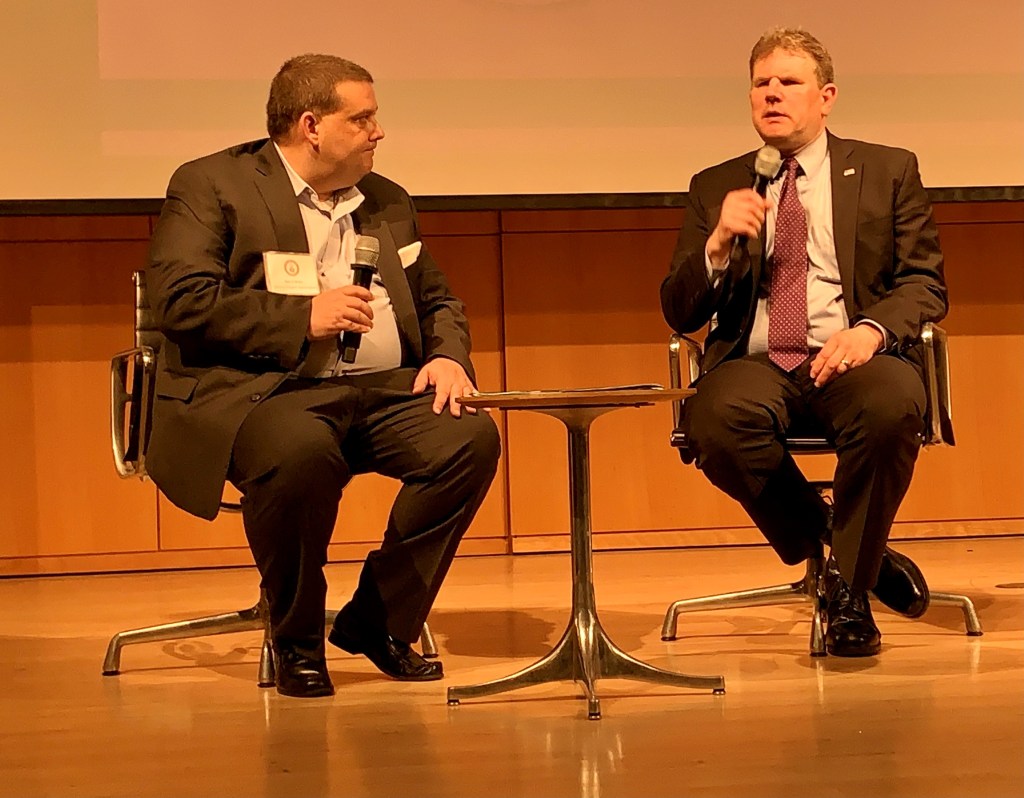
[(367, 251), (768, 162)]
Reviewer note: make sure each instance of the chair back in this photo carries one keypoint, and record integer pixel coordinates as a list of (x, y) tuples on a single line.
[(146, 332), (939, 428), (132, 379)]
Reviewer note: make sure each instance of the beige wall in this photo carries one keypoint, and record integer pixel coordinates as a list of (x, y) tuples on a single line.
[(104, 98)]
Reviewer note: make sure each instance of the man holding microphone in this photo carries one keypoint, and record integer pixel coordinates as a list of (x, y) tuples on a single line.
[(282, 376), (815, 292)]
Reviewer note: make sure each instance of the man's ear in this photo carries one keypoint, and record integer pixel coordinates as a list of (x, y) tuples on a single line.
[(828, 98), (308, 127)]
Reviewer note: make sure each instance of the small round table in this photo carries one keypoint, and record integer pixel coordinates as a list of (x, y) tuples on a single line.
[(585, 653)]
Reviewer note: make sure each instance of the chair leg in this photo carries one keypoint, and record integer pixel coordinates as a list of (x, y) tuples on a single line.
[(806, 589), (241, 621), (815, 584), (265, 677), (256, 617), (966, 606), (427, 643)]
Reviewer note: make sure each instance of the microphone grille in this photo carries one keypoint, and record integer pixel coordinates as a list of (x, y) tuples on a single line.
[(768, 162), (367, 250)]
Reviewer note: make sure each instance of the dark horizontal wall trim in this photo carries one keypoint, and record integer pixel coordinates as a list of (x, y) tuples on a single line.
[(473, 202), (81, 207), (550, 202)]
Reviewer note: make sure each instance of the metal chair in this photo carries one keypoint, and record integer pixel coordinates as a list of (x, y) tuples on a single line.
[(938, 431), (132, 380)]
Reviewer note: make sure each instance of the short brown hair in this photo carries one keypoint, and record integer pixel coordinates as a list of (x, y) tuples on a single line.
[(307, 83), (795, 40)]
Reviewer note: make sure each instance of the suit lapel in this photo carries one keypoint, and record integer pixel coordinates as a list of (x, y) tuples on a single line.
[(392, 275), (847, 172), (276, 189)]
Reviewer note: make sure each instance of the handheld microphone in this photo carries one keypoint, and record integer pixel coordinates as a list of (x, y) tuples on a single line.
[(364, 266), (767, 163)]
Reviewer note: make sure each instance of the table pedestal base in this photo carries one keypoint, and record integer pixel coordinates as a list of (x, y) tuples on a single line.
[(585, 653)]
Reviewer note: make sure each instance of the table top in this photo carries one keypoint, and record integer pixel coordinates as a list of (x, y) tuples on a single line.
[(616, 396)]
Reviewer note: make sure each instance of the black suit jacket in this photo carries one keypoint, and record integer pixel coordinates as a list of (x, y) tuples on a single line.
[(886, 244), (229, 342)]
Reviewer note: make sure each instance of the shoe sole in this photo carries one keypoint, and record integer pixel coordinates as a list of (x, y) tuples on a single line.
[(318, 694), (341, 640), (435, 677), (850, 654), (909, 565)]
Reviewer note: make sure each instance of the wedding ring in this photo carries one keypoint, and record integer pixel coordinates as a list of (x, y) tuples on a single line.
[(844, 362)]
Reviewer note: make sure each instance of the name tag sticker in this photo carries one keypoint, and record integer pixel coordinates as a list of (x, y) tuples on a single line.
[(291, 273)]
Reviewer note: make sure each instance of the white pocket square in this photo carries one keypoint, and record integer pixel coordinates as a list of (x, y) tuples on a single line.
[(409, 253), (849, 172)]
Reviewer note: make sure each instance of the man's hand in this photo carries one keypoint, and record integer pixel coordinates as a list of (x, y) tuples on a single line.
[(450, 381), (845, 350), (340, 310), (743, 214)]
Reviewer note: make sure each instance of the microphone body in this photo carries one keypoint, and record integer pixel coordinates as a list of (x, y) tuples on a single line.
[(364, 267), (766, 166)]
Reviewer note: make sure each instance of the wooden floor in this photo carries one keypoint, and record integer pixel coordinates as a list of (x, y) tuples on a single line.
[(936, 714)]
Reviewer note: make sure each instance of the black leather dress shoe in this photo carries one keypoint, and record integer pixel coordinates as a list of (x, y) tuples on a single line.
[(851, 630), (901, 586), (391, 657), (299, 675)]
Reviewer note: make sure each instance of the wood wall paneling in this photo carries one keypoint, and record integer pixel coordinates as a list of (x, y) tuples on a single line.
[(581, 310), (555, 299), (65, 300), (468, 248)]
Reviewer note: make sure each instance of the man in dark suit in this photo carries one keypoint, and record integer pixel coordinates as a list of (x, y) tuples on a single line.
[(250, 386), (815, 322)]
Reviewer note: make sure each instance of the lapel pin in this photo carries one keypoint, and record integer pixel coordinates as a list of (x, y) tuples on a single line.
[(849, 172)]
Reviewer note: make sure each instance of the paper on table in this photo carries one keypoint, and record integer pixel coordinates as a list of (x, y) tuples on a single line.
[(640, 386)]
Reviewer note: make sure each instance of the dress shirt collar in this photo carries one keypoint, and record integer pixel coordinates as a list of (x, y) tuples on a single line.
[(341, 203), (811, 157)]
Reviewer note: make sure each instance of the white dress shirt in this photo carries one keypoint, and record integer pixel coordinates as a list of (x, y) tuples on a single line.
[(331, 236), (826, 313), (826, 310)]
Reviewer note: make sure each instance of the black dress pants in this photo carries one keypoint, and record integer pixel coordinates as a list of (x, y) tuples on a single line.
[(874, 414), (292, 458)]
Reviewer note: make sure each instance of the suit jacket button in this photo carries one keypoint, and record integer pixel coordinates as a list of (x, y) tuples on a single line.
[(255, 397)]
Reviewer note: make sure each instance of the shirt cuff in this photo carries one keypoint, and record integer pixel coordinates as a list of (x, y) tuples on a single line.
[(715, 273)]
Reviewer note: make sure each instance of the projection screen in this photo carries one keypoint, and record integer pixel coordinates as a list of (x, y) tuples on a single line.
[(103, 98)]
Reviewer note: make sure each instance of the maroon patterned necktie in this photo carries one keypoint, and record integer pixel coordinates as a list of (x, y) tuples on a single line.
[(787, 314)]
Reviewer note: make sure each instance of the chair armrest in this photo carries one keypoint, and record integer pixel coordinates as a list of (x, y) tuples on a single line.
[(680, 346), (939, 413), (132, 376)]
